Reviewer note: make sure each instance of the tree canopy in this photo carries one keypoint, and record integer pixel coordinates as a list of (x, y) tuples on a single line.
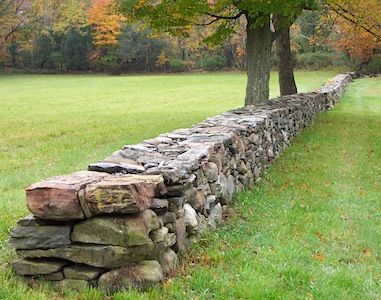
[(161, 35), (178, 17)]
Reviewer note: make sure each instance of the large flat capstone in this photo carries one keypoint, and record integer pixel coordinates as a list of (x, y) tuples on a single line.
[(124, 194), (57, 198)]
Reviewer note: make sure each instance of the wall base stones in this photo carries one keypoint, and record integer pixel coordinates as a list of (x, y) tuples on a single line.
[(122, 223)]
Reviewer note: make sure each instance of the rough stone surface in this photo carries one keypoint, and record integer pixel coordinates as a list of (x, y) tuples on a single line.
[(215, 216), (159, 235), (57, 198), (169, 261), (141, 275), (159, 205), (72, 284), (124, 194), (117, 163), (169, 240), (82, 272), (100, 256), (37, 266), (40, 237), (168, 217), (117, 230)]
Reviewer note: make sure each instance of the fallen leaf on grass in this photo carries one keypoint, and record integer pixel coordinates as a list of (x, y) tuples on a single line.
[(318, 256), (319, 235), (367, 252)]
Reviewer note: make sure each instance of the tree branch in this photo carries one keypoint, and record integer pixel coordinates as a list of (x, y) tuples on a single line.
[(217, 18), (349, 16), (224, 17)]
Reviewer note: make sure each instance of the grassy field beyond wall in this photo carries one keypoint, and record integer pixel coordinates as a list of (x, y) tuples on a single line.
[(309, 230)]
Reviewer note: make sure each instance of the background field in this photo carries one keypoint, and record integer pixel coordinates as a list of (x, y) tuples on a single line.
[(53, 125)]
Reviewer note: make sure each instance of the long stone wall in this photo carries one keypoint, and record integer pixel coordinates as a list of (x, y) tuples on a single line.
[(122, 222)]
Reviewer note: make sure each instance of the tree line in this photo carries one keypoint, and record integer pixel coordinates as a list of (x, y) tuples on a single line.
[(151, 36)]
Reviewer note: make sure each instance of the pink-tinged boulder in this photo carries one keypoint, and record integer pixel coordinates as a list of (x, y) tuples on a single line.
[(57, 198), (124, 194)]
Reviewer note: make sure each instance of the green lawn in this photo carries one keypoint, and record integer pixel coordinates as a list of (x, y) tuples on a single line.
[(310, 229)]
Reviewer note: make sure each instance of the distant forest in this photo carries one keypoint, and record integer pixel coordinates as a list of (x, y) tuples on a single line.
[(93, 35)]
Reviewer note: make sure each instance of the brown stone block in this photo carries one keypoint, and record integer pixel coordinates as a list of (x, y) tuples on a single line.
[(123, 194), (57, 198)]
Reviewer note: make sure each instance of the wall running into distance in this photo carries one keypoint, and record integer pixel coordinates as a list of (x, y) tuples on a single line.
[(122, 222)]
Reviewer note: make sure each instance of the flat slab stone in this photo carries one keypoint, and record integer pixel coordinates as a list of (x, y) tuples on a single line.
[(180, 231), (40, 237), (57, 198), (123, 194), (72, 284), (141, 275), (31, 221), (117, 163), (82, 272), (112, 168), (37, 266), (130, 230), (101, 256)]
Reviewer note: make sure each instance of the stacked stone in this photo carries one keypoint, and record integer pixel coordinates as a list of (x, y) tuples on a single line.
[(121, 223), (92, 228)]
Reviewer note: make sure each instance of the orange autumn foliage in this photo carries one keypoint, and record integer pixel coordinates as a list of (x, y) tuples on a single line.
[(103, 16), (355, 41), (358, 25)]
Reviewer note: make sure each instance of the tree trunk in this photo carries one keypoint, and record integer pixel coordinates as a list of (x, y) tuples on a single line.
[(285, 63), (258, 49)]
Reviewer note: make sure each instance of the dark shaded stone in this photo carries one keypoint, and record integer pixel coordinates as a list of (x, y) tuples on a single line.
[(37, 266), (40, 237), (111, 168), (53, 277), (159, 205), (100, 256), (168, 217), (176, 204)]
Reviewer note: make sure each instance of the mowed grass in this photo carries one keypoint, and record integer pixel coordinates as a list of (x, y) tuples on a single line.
[(310, 229)]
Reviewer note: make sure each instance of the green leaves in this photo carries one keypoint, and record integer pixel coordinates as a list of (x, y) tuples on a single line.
[(221, 33), (176, 17)]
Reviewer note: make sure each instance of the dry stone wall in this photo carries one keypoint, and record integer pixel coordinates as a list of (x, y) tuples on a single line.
[(123, 222)]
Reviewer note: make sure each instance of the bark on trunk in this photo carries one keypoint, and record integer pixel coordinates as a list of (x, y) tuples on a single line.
[(258, 48), (285, 64)]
